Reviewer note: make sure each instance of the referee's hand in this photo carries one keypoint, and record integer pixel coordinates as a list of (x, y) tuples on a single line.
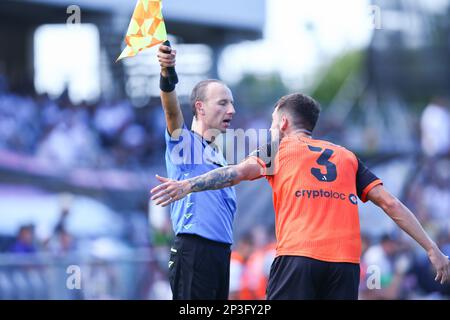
[(169, 191), (442, 265), (167, 58)]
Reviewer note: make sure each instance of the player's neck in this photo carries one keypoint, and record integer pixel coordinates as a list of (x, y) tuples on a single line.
[(300, 132)]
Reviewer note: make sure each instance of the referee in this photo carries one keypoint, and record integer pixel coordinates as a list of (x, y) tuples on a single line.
[(315, 187), (200, 255)]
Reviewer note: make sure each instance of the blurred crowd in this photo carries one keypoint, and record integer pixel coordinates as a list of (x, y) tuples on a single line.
[(36, 267), (107, 134), (394, 268), (59, 242), (251, 260)]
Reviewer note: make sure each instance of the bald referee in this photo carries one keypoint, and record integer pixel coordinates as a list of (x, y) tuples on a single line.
[(200, 255), (315, 187)]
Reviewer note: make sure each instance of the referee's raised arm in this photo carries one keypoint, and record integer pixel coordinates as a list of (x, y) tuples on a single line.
[(169, 99)]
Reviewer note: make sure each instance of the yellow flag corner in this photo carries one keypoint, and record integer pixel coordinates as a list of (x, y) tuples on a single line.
[(146, 28)]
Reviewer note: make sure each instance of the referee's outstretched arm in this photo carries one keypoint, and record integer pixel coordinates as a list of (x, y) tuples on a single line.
[(404, 218), (173, 190), (172, 110)]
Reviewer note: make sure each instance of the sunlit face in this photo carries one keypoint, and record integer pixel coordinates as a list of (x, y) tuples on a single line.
[(217, 109)]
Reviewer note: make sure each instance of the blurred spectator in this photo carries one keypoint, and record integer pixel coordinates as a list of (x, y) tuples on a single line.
[(110, 119), (25, 241), (64, 243), (61, 242), (428, 195), (435, 127), (256, 270), (238, 264), (436, 196), (383, 260), (70, 143)]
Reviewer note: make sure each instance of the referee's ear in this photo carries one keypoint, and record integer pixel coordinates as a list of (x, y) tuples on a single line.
[(199, 108)]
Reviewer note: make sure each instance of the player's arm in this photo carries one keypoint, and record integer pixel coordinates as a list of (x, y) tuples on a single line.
[(404, 218), (169, 99), (172, 190)]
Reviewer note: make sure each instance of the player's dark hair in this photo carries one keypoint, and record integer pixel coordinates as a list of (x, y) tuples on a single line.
[(199, 93), (303, 109)]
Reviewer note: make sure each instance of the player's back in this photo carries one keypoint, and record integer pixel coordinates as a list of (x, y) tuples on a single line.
[(315, 199)]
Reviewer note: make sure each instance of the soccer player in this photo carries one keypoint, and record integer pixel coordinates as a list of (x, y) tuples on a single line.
[(315, 188), (200, 256)]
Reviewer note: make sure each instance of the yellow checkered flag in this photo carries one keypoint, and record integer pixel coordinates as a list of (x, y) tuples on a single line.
[(146, 29)]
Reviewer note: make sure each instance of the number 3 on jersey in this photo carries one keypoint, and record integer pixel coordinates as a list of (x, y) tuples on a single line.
[(324, 160)]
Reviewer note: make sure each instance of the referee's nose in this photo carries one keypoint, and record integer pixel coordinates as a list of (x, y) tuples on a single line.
[(231, 110)]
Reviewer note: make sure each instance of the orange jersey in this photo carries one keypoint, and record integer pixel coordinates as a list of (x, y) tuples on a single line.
[(315, 187)]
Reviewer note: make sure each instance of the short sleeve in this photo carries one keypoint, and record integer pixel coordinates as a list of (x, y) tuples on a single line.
[(264, 156), (365, 181)]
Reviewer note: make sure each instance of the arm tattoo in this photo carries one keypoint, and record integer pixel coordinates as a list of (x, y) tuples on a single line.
[(213, 180)]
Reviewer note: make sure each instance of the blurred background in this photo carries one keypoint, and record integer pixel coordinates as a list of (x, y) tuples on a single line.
[(81, 137)]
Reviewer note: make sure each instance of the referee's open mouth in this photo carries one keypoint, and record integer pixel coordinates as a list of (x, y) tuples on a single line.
[(226, 123)]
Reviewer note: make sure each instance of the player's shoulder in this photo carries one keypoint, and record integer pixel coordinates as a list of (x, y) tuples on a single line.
[(341, 150), (178, 135), (330, 145)]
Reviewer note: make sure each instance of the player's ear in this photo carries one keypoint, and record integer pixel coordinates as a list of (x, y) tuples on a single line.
[(284, 123)]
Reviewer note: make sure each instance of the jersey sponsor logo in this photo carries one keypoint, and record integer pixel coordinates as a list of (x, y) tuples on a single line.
[(328, 194), (353, 199)]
